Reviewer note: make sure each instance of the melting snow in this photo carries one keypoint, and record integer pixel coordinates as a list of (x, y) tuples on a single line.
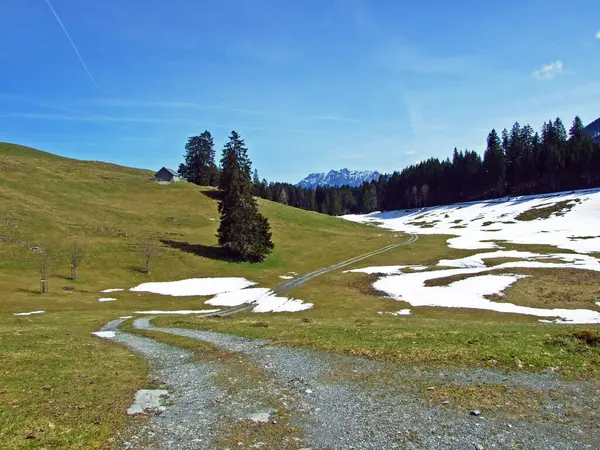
[(105, 291), (107, 299), (194, 286), (386, 270), (286, 277), (226, 291), (264, 298), (125, 317), (582, 221), (147, 399), (471, 292), (104, 334), (28, 313), (402, 312), (574, 261), (181, 311)]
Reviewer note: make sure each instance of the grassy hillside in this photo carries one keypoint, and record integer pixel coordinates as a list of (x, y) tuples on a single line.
[(65, 388)]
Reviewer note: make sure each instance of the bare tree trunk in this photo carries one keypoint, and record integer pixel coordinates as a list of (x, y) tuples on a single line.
[(74, 273), (43, 286), (148, 264)]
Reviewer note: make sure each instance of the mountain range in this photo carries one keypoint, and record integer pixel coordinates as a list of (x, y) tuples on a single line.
[(593, 130), (336, 178)]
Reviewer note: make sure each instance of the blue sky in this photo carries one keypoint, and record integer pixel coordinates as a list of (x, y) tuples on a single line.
[(310, 85)]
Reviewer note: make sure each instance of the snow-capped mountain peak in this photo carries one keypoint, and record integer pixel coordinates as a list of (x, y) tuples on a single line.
[(342, 177)]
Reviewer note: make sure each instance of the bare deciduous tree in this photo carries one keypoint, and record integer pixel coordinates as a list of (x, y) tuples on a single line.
[(43, 261), (148, 249), (77, 254), (415, 193), (424, 192)]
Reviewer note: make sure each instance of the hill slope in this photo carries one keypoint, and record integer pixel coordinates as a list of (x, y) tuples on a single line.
[(52, 364)]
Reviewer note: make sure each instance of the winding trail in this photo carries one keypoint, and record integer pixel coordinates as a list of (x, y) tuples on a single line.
[(336, 401), (310, 276)]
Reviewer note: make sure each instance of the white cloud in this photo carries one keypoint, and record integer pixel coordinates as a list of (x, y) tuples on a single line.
[(598, 35), (410, 153), (549, 71)]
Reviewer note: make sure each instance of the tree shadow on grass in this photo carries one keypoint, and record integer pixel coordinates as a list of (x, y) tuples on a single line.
[(214, 195), (138, 269), (206, 251)]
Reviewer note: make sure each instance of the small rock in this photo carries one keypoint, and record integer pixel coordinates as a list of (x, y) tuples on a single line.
[(479, 447), (309, 391), (30, 436), (68, 288), (46, 388), (274, 422), (431, 388), (446, 402), (475, 412)]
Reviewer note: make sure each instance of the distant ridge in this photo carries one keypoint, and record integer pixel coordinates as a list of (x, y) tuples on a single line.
[(593, 129), (336, 178)]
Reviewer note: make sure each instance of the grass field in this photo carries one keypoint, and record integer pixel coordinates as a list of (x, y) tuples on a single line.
[(62, 387)]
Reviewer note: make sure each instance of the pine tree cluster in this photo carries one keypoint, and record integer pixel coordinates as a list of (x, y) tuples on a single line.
[(199, 166), (243, 230), (516, 162)]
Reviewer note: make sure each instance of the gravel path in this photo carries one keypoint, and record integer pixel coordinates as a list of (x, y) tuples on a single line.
[(330, 401), (310, 276)]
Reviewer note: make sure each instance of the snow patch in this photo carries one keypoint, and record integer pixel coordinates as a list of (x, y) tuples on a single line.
[(402, 312), (28, 313), (105, 291), (477, 261), (385, 270), (125, 317), (470, 293), (286, 277), (194, 286), (147, 399), (264, 299), (107, 299), (563, 231), (104, 334)]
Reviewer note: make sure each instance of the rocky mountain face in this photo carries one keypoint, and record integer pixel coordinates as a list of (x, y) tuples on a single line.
[(594, 130), (334, 178)]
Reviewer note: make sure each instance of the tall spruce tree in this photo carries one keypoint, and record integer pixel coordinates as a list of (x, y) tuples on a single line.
[(199, 166), (243, 230), (494, 164)]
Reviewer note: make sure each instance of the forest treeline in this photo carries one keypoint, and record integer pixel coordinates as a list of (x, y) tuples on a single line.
[(519, 161)]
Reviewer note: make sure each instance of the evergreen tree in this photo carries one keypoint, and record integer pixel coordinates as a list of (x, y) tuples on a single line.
[(243, 230), (256, 185), (199, 166), (494, 164)]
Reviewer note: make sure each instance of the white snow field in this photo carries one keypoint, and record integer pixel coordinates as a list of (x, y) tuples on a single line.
[(470, 293), (484, 225), (265, 300), (28, 313), (194, 286), (104, 334), (226, 291), (577, 230)]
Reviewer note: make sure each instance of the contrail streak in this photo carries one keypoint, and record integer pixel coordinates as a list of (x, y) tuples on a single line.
[(72, 44)]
